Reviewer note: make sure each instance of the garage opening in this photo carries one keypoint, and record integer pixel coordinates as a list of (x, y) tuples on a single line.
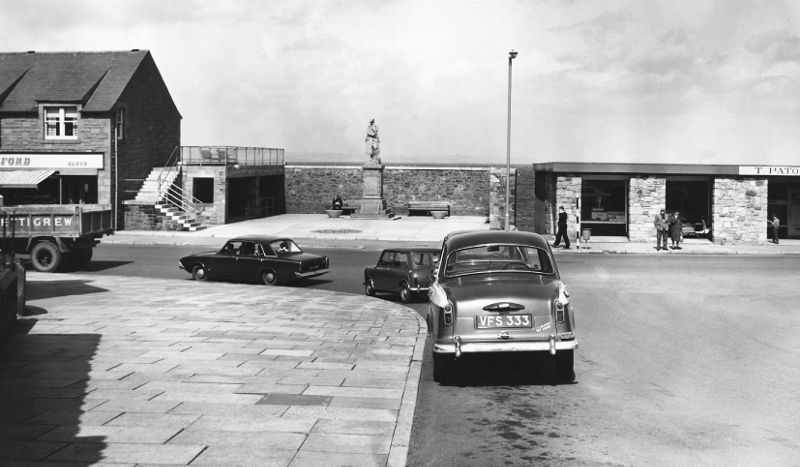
[(691, 197)]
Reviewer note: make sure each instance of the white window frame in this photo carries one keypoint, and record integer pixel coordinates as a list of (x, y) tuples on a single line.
[(61, 122)]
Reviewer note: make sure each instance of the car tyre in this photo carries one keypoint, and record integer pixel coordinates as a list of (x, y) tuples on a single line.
[(81, 257), (443, 368), (565, 366), (46, 257), (269, 278), (199, 273), (369, 288), (405, 293)]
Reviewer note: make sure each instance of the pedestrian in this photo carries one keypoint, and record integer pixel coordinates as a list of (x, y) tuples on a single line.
[(562, 228), (337, 202), (662, 229), (775, 223), (676, 230)]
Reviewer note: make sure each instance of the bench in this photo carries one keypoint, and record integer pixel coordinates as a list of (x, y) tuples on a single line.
[(348, 209), (428, 206)]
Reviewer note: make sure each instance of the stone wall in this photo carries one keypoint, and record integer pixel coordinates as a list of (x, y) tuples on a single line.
[(525, 196), (146, 217), (567, 191), (646, 196), (739, 211), (213, 212), (497, 198), (310, 189)]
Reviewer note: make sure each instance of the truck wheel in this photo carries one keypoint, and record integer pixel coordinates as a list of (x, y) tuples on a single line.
[(82, 257), (46, 257)]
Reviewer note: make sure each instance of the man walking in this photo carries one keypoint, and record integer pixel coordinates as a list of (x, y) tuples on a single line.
[(562, 228), (662, 229)]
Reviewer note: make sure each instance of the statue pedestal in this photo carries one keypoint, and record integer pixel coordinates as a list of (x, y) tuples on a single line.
[(373, 206)]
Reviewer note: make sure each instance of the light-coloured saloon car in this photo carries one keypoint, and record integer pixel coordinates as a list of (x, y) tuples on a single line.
[(499, 291)]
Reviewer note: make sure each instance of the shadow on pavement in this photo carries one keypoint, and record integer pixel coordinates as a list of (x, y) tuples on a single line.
[(40, 290), (43, 380), (96, 266), (504, 370)]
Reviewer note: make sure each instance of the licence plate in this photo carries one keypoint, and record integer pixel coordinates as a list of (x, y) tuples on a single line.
[(507, 321)]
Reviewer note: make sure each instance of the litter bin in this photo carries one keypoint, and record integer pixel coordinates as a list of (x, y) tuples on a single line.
[(586, 234)]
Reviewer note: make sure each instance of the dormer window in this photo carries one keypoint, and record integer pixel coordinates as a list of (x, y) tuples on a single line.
[(61, 122)]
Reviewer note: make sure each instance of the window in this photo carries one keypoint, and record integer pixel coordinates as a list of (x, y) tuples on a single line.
[(120, 123), (401, 260), (203, 189), (498, 258), (61, 122), (387, 259)]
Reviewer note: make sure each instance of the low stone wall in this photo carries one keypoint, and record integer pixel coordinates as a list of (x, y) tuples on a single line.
[(146, 217), (739, 211), (310, 188)]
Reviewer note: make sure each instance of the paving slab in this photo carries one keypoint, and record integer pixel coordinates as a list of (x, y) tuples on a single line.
[(176, 373)]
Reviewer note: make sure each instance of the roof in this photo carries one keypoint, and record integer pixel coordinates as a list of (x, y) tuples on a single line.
[(257, 238), (409, 249), (468, 238), (636, 168), (94, 79)]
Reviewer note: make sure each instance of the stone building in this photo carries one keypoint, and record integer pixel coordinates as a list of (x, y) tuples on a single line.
[(728, 204), (74, 125)]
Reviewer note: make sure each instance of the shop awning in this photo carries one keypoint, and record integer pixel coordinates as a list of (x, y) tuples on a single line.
[(23, 178)]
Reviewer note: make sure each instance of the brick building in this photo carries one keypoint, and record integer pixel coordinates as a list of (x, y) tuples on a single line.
[(73, 125)]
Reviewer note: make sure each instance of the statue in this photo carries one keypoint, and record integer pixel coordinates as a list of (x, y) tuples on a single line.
[(373, 142)]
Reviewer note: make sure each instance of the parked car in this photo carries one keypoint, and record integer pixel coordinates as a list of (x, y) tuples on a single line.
[(270, 260), (499, 291), (404, 271)]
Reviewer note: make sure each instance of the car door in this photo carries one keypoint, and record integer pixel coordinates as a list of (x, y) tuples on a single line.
[(400, 272), (249, 262), (380, 275), (223, 265)]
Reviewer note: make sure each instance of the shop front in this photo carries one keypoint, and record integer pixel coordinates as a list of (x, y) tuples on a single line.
[(49, 178)]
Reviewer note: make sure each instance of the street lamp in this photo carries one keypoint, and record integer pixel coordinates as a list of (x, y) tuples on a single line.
[(511, 56)]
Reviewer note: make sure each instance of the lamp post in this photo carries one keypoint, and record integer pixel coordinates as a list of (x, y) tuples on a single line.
[(511, 56)]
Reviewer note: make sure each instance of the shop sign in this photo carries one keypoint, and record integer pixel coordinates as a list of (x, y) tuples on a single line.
[(24, 224), (786, 170), (51, 160)]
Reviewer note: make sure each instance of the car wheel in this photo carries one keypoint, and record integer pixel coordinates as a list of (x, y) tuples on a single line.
[(269, 278), (46, 257), (443, 367), (199, 273), (83, 256), (369, 288), (565, 366), (405, 293)]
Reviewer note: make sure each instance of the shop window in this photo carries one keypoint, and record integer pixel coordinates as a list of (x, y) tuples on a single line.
[(61, 122), (203, 190), (604, 206)]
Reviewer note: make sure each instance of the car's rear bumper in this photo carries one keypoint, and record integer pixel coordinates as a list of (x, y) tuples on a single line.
[(420, 289), (506, 346), (306, 275)]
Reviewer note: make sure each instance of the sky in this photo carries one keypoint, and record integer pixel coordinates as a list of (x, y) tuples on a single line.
[(647, 81)]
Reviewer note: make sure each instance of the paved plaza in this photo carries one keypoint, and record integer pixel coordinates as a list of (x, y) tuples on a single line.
[(109, 370)]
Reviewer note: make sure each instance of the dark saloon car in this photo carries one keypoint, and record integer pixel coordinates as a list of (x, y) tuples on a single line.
[(499, 291), (404, 271), (270, 260)]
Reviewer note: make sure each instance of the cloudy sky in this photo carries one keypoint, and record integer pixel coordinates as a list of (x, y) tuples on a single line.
[(711, 82)]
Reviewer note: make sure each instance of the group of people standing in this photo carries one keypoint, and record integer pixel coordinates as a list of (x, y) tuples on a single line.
[(668, 226)]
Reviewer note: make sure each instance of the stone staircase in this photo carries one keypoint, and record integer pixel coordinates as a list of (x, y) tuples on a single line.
[(150, 193)]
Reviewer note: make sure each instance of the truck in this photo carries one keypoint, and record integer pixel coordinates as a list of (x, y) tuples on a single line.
[(56, 236)]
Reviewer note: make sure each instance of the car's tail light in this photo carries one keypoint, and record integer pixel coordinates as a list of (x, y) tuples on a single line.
[(448, 314), (559, 311), (416, 280), (327, 262), (301, 267)]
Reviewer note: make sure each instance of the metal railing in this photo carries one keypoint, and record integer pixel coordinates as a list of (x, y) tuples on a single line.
[(174, 194), (230, 155)]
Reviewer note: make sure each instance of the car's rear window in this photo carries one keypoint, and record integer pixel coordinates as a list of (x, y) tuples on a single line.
[(487, 258), (422, 259)]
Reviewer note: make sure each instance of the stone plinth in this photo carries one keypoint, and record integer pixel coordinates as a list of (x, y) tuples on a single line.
[(373, 206)]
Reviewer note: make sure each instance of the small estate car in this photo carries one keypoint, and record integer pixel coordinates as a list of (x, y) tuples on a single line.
[(405, 271), (270, 260), (499, 291)]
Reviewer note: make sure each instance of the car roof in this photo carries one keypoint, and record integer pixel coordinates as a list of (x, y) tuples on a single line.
[(467, 238), (409, 249), (256, 238)]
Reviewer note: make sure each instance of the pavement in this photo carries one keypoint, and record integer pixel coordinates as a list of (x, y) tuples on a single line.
[(108, 370)]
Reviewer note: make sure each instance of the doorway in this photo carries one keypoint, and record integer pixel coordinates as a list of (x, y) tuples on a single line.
[(691, 197)]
